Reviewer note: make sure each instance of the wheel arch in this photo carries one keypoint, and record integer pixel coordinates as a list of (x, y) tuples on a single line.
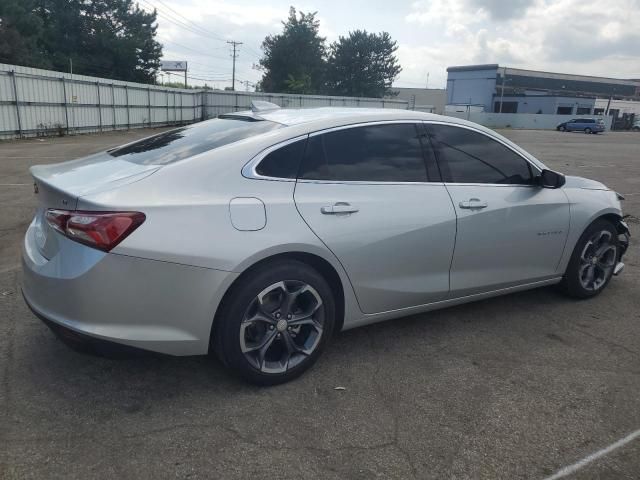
[(320, 264)]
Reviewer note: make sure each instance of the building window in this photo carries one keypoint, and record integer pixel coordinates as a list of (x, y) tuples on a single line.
[(564, 110), (507, 107), (583, 111), (598, 111)]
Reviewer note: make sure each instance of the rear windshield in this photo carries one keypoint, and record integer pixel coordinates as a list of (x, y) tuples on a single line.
[(184, 142)]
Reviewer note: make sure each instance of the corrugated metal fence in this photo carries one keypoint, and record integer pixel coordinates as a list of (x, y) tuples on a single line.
[(35, 102)]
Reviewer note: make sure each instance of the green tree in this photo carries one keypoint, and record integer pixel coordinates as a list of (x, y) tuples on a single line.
[(107, 38), (294, 61), (20, 33), (362, 64)]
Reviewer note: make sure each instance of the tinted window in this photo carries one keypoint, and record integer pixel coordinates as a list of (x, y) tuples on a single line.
[(377, 153), (283, 162), (174, 145), (465, 156)]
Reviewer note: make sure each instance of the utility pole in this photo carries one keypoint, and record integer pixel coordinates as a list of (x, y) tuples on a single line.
[(185, 75), (504, 78), (234, 44)]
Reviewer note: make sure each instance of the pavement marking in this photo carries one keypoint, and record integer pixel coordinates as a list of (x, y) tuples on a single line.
[(594, 456), (15, 184)]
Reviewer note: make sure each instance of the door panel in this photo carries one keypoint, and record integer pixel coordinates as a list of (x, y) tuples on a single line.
[(510, 231), (395, 241), (516, 235)]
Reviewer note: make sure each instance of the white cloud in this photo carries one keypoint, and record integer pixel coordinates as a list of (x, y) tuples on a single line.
[(573, 36)]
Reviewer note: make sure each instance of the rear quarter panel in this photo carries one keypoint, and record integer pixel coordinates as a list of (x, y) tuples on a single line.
[(188, 217)]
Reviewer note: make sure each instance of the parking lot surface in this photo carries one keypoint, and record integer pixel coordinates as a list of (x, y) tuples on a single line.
[(516, 387)]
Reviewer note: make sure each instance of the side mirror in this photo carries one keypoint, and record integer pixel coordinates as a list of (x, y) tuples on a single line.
[(551, 179)]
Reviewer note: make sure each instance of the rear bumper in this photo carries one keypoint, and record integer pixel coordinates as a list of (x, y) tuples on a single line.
[(146, 304), (82, 342)]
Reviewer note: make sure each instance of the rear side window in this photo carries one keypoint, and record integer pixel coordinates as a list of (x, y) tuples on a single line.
[(174, 145), (283, 162), (465, 156), (376, 153)]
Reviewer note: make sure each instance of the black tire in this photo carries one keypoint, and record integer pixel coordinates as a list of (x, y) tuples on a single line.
[(230, 330), (571, 283), (562, 128), (587, 130)]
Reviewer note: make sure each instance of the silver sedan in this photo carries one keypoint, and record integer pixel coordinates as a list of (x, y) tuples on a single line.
[(258, 235)]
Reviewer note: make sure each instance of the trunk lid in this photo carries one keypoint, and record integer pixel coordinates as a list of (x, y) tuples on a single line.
[(60, 185)]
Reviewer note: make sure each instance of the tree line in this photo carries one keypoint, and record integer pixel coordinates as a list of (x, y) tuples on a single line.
[(103, 38), (298, 60), (117, 39)]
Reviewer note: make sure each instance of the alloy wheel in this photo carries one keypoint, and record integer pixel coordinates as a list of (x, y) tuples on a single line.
[(597, 260), (282, 326)]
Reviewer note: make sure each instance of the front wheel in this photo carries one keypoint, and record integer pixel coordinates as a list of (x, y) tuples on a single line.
[(593, 261), (562, 128), (275, 323), (587, 130)]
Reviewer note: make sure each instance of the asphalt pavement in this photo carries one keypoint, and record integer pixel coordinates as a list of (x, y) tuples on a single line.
[(516, 387)]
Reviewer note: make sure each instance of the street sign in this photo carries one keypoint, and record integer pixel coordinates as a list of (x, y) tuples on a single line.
[(173, 66)]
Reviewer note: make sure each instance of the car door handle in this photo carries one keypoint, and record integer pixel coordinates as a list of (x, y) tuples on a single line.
[(473, 203), (338, 208)]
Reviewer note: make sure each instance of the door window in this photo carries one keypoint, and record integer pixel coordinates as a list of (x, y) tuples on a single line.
[(465, 156), (283, 162), (374, 153)]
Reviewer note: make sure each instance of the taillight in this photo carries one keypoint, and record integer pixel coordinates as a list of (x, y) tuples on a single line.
[(101, 230)]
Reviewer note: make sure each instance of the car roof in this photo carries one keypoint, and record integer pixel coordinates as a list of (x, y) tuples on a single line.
[(297, 116)]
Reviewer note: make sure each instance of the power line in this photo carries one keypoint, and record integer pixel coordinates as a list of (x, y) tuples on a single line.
[(171, 42), (179, 22), (254, 52), (190, 26), (189, 22)]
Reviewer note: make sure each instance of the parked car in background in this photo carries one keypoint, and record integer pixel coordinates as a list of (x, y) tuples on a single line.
[(586, 125), (636, 125), (258, 234)]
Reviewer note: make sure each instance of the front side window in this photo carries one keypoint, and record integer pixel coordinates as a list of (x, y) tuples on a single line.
[(375, 153), (465, 156)]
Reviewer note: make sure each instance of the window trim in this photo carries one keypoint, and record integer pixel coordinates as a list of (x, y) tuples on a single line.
[(535, 169), (249, 170)]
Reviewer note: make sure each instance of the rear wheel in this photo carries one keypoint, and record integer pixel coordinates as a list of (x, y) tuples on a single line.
[(276, 323), (593, 261), (587, 130)]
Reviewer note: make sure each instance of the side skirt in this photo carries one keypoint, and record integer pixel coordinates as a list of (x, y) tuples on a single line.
[(380, 317)]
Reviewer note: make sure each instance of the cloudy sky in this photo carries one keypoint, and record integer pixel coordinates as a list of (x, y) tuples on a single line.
[(592, 37)]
